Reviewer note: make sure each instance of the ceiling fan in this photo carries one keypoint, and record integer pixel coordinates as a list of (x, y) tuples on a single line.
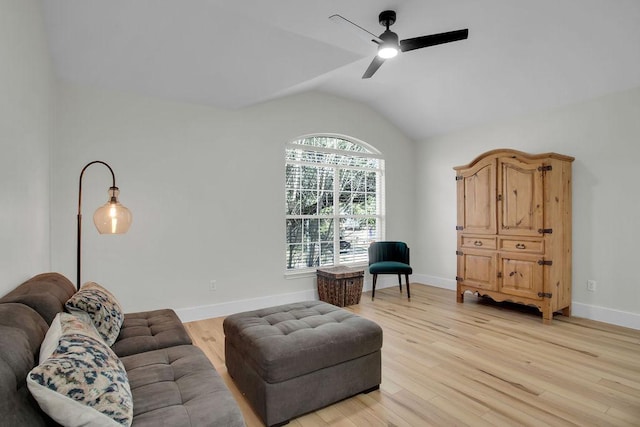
[(388, 43)]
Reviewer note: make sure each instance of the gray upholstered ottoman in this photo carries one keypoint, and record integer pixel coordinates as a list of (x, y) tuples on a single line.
[(293, 359)]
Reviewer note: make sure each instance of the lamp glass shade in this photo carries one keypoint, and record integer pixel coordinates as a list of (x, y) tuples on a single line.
[(112, 217)]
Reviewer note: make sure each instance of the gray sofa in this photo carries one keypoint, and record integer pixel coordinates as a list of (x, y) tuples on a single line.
[(172, 382)]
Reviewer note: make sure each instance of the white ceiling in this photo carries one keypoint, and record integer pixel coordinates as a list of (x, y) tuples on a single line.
[(521, 56)]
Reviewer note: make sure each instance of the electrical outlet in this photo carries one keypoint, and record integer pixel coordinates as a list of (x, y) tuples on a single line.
[(591, 285), (212, 285)]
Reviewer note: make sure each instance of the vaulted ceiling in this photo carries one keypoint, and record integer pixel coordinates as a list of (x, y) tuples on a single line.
[(521, 56)]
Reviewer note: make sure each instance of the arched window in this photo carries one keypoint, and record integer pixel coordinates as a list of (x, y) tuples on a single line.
[(335, 201)]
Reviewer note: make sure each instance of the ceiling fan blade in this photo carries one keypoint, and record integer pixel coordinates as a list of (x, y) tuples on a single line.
[(433, 39), (373, 67), (355, 29)]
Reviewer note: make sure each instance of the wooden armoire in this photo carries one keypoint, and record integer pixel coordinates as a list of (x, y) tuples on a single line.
[(514, 229)]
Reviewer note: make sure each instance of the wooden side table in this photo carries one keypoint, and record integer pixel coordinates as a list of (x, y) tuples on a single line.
[(340, 286)]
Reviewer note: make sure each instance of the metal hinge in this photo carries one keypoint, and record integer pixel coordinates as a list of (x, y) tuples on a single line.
[(545, 294), (459, 279), (545, 230), (459, 253), (459, 177), (543, 262), (459, 228), (545, 168)]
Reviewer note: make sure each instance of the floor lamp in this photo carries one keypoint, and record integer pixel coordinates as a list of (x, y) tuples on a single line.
[(110, 218)]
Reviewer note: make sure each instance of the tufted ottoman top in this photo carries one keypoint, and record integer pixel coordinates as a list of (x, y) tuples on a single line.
[(290, 340)]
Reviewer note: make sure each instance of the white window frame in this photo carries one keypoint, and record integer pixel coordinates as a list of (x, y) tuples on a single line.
[(372, 153)]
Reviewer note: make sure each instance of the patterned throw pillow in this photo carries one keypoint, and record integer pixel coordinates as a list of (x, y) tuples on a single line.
[(79, 322), (83, 382), (103, 308)]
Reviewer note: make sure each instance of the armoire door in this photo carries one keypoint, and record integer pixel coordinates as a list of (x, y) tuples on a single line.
[(477, 198), (478, 268), (521, 275), (520, 197)]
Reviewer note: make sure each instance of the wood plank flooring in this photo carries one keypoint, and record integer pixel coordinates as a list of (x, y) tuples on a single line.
[(477, 364)]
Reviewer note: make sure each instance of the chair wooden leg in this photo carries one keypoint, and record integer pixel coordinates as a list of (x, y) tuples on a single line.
[(400, 282), (408, 290), (373, 294)]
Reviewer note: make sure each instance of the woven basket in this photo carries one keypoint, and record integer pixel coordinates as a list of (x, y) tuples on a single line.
[(340, 286)]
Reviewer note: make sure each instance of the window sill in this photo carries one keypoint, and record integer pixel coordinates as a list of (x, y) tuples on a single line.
[(300, 274)]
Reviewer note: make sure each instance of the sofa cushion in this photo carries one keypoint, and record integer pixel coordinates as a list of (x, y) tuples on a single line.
[(150, 330), (103, 308), (21, 331), (83, 382), (290, 340), (178, 386), (46, 293)]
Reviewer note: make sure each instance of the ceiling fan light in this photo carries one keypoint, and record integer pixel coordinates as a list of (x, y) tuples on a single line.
[(387, 52), (389, 46)]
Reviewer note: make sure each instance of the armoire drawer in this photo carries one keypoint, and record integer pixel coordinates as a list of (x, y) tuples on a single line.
[(520, 244), (477, 242)]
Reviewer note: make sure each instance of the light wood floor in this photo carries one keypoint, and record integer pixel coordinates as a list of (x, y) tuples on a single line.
[(478, 364)]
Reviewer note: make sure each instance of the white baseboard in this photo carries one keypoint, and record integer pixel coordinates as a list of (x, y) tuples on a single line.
[(438, 282), (190, 314), (607, 315), (388, 281), (591, 312)]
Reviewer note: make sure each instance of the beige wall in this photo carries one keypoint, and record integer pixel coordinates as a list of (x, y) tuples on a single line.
[(604, 136), (25, 97), (206, 188), (178, 164)]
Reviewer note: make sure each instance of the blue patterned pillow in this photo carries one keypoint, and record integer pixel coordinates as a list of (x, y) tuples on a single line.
[(103, 308), (83, 382), (80, 323)]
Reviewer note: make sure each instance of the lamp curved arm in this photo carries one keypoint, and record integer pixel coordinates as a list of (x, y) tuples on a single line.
[(113, 177), (113, 199)]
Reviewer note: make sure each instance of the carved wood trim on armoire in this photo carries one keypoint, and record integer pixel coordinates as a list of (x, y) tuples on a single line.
[(514, 229)]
